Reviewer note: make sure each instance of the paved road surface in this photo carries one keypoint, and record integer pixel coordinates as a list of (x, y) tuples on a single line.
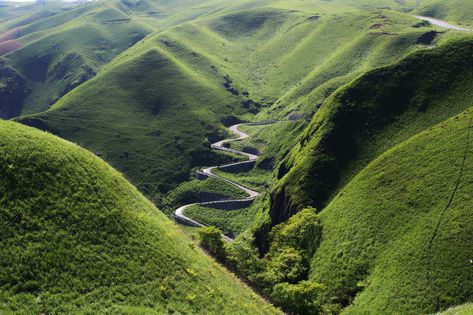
[(442, 23), (252, 195)]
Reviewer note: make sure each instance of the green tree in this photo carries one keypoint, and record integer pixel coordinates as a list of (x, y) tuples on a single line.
[(302, 231), (300, 298), (210, 239)]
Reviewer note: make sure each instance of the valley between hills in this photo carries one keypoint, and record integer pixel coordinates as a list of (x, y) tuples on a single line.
[(236, 157)]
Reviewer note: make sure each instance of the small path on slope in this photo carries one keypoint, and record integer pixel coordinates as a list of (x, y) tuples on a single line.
[(179, 215), (430, 271), (442, 23)]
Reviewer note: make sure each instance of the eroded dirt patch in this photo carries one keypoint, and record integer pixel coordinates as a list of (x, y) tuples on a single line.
[(9, 46)]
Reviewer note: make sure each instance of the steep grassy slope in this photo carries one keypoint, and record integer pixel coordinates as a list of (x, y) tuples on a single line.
[(369, 116), (13, 90), (77, 237), (279, 52), (391, 208), (397, 238)]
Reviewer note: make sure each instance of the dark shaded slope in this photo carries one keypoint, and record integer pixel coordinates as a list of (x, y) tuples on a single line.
[(13, 91)]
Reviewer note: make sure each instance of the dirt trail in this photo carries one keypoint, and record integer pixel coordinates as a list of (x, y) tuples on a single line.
[(179, 215), (430, 273)]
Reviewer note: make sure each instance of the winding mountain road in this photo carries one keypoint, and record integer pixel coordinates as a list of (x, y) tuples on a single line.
[(442, 23), (179, 215)]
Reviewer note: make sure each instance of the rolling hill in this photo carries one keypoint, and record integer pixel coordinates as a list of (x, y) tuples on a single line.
[(183, 84), (54, 53), (419, 192), (455, 10), (56, 47), (385, 161), (76, 237), (365, 179), (367, 117)]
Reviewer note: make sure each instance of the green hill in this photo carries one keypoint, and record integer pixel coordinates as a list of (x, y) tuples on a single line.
[(141, 114), (154, 109), (56, 53), (380, 145), (393, 191), (76, 237), (397, 237), (369, 116), (458, 11)]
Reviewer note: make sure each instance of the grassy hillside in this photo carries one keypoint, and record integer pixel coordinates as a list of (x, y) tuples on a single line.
[(77, 237), (143, 115), (154, 109), (200, 191), (370, 156), (397, 237), (369, 116), (390, 187), (59, 51)]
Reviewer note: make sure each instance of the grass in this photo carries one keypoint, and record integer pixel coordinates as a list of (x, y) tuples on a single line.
[(419, 261), (154, 134), (255, 179), (231, 223), (459, 310), (391, 188), (456, 11), (78, 238), (272, 141), (158, 126), (237, 221), (66, 48), (191, 192), (369, 116), (153, 109)]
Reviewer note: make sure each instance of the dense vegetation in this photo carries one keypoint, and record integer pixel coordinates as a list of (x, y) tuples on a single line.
[(77, 237), (377, 142), (282, 273)]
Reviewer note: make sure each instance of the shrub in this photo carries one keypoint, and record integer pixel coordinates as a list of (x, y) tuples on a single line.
[(210, 239), (301, 298), (302, 231), (287, 265)]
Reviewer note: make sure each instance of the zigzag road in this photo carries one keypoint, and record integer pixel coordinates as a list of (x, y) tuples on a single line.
[(179, 215)]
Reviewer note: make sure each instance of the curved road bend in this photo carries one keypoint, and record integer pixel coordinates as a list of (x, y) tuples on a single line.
[(442, 23), (252, 195)]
